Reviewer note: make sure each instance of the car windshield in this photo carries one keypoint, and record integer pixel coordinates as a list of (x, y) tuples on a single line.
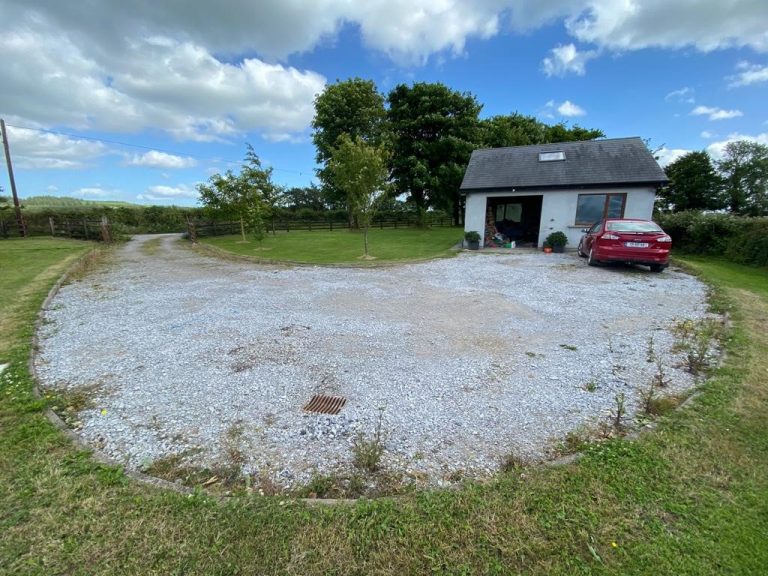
[(630, 226)]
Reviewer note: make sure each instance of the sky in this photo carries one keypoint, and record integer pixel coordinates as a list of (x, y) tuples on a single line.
[(141, 101)]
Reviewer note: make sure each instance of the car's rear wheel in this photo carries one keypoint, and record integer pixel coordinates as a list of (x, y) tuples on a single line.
[(580, 249), (591, 258), (656, 268)]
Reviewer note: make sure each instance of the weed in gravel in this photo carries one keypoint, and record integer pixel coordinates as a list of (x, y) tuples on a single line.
[(366, 452), (512, 463), (570, 347), (660, 377), (591, 386), (694, 341), (650, 355), (619, 412), (88, 263), (231, 445)]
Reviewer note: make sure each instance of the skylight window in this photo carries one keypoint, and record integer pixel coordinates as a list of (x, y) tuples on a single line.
[(551, 156)]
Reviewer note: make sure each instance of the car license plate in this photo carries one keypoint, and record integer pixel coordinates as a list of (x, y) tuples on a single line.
[(636, 244)]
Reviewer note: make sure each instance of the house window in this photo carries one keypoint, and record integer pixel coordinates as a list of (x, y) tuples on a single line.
[(594, 207), (551, 156)]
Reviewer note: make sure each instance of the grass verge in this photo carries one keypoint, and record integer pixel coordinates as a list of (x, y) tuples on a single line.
[(344, 246), (689, 498)]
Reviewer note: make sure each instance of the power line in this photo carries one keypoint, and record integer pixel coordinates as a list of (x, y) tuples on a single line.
[(151, 148)]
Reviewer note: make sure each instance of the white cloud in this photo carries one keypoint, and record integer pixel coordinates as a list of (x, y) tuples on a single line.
[(95, 191), (568, 108), (702, 24), (715, 113), (155, 83), (716, 149), (52, 188), (32, 150), (565, 59), (157, 159), (684, 94), (748, 74), (706, 134), (211, 70), (162, 192), (668, 155)]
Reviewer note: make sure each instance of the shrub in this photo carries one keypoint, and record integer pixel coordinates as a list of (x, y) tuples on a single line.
[(556, 239)]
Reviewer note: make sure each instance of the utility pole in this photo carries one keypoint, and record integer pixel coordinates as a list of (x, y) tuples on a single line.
[(17, 207)]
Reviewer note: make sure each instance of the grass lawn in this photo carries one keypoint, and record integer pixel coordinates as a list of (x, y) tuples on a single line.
[(345, 246), (689, 498)]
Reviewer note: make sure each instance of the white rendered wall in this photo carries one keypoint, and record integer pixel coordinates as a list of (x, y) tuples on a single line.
[(474, 215), (558, 209)]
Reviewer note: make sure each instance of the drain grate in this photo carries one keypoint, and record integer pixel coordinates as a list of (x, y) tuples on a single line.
[(321, 404)]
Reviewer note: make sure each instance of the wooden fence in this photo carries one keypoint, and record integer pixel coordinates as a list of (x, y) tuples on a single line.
[(198, 228), (78, 228)]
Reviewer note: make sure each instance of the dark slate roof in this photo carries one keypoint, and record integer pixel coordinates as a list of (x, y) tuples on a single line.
[(614, 161)]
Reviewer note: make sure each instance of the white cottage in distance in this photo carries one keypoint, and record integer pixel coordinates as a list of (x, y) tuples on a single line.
[(532, 191)]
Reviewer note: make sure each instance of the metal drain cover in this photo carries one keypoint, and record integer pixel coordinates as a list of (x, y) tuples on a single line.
[(321, 404)]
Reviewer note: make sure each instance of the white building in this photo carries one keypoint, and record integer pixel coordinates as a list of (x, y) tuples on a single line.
[(528, 192)]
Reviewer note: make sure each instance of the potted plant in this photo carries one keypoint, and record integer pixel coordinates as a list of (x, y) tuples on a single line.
[(472, 240), (556, 241)]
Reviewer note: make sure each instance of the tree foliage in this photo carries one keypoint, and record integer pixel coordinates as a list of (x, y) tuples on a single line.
[(353, 107), (249, 196), (360, 170), (744, 168), (693, 185), (433, 130), (519, 130)]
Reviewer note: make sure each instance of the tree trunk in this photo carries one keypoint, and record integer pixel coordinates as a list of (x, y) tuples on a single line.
[(242, 227), (365, 240)]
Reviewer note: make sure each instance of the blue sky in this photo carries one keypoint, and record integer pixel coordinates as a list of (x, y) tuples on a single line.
[(140, 101)]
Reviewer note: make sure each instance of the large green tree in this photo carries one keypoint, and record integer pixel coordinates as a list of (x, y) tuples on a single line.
[(360, 170), (353, 107), (248, 196), (693, 185), (433, 130), (519, 130), (744, 168)]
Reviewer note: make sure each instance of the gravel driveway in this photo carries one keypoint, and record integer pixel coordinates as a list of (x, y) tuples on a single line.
[(468, 360)]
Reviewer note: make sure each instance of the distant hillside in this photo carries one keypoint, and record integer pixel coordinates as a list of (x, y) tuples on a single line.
[(67, 202)]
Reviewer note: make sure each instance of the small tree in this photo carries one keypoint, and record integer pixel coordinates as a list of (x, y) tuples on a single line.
[(249, 196), (360, 170)]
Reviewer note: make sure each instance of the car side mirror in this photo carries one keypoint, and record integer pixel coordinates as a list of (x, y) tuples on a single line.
[(585, 230)]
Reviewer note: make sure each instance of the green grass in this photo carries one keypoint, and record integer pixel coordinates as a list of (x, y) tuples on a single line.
[(344, 246), (689, 498)]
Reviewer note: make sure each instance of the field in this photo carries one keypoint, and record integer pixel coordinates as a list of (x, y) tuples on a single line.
[(344, 246), (689, 498)]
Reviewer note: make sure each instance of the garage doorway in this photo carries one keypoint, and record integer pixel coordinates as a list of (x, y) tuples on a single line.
[(517, 218)]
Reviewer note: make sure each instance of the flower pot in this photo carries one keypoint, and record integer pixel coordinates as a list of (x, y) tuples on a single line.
[(558, 249), (547, 250), (473, 245)]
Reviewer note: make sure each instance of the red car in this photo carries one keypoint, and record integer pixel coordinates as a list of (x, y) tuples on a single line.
[(627, 240)]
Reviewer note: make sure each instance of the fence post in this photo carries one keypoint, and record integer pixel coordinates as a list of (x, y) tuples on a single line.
[(3, 229), (330, 222), (85, 228), (106, 233), (52, 225), (191, 231), (69, 227)]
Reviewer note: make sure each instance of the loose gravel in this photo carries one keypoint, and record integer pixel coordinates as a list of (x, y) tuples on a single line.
[(466, 360)]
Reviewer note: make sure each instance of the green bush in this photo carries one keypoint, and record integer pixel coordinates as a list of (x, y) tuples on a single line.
[(741, 238), (751, 245)]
